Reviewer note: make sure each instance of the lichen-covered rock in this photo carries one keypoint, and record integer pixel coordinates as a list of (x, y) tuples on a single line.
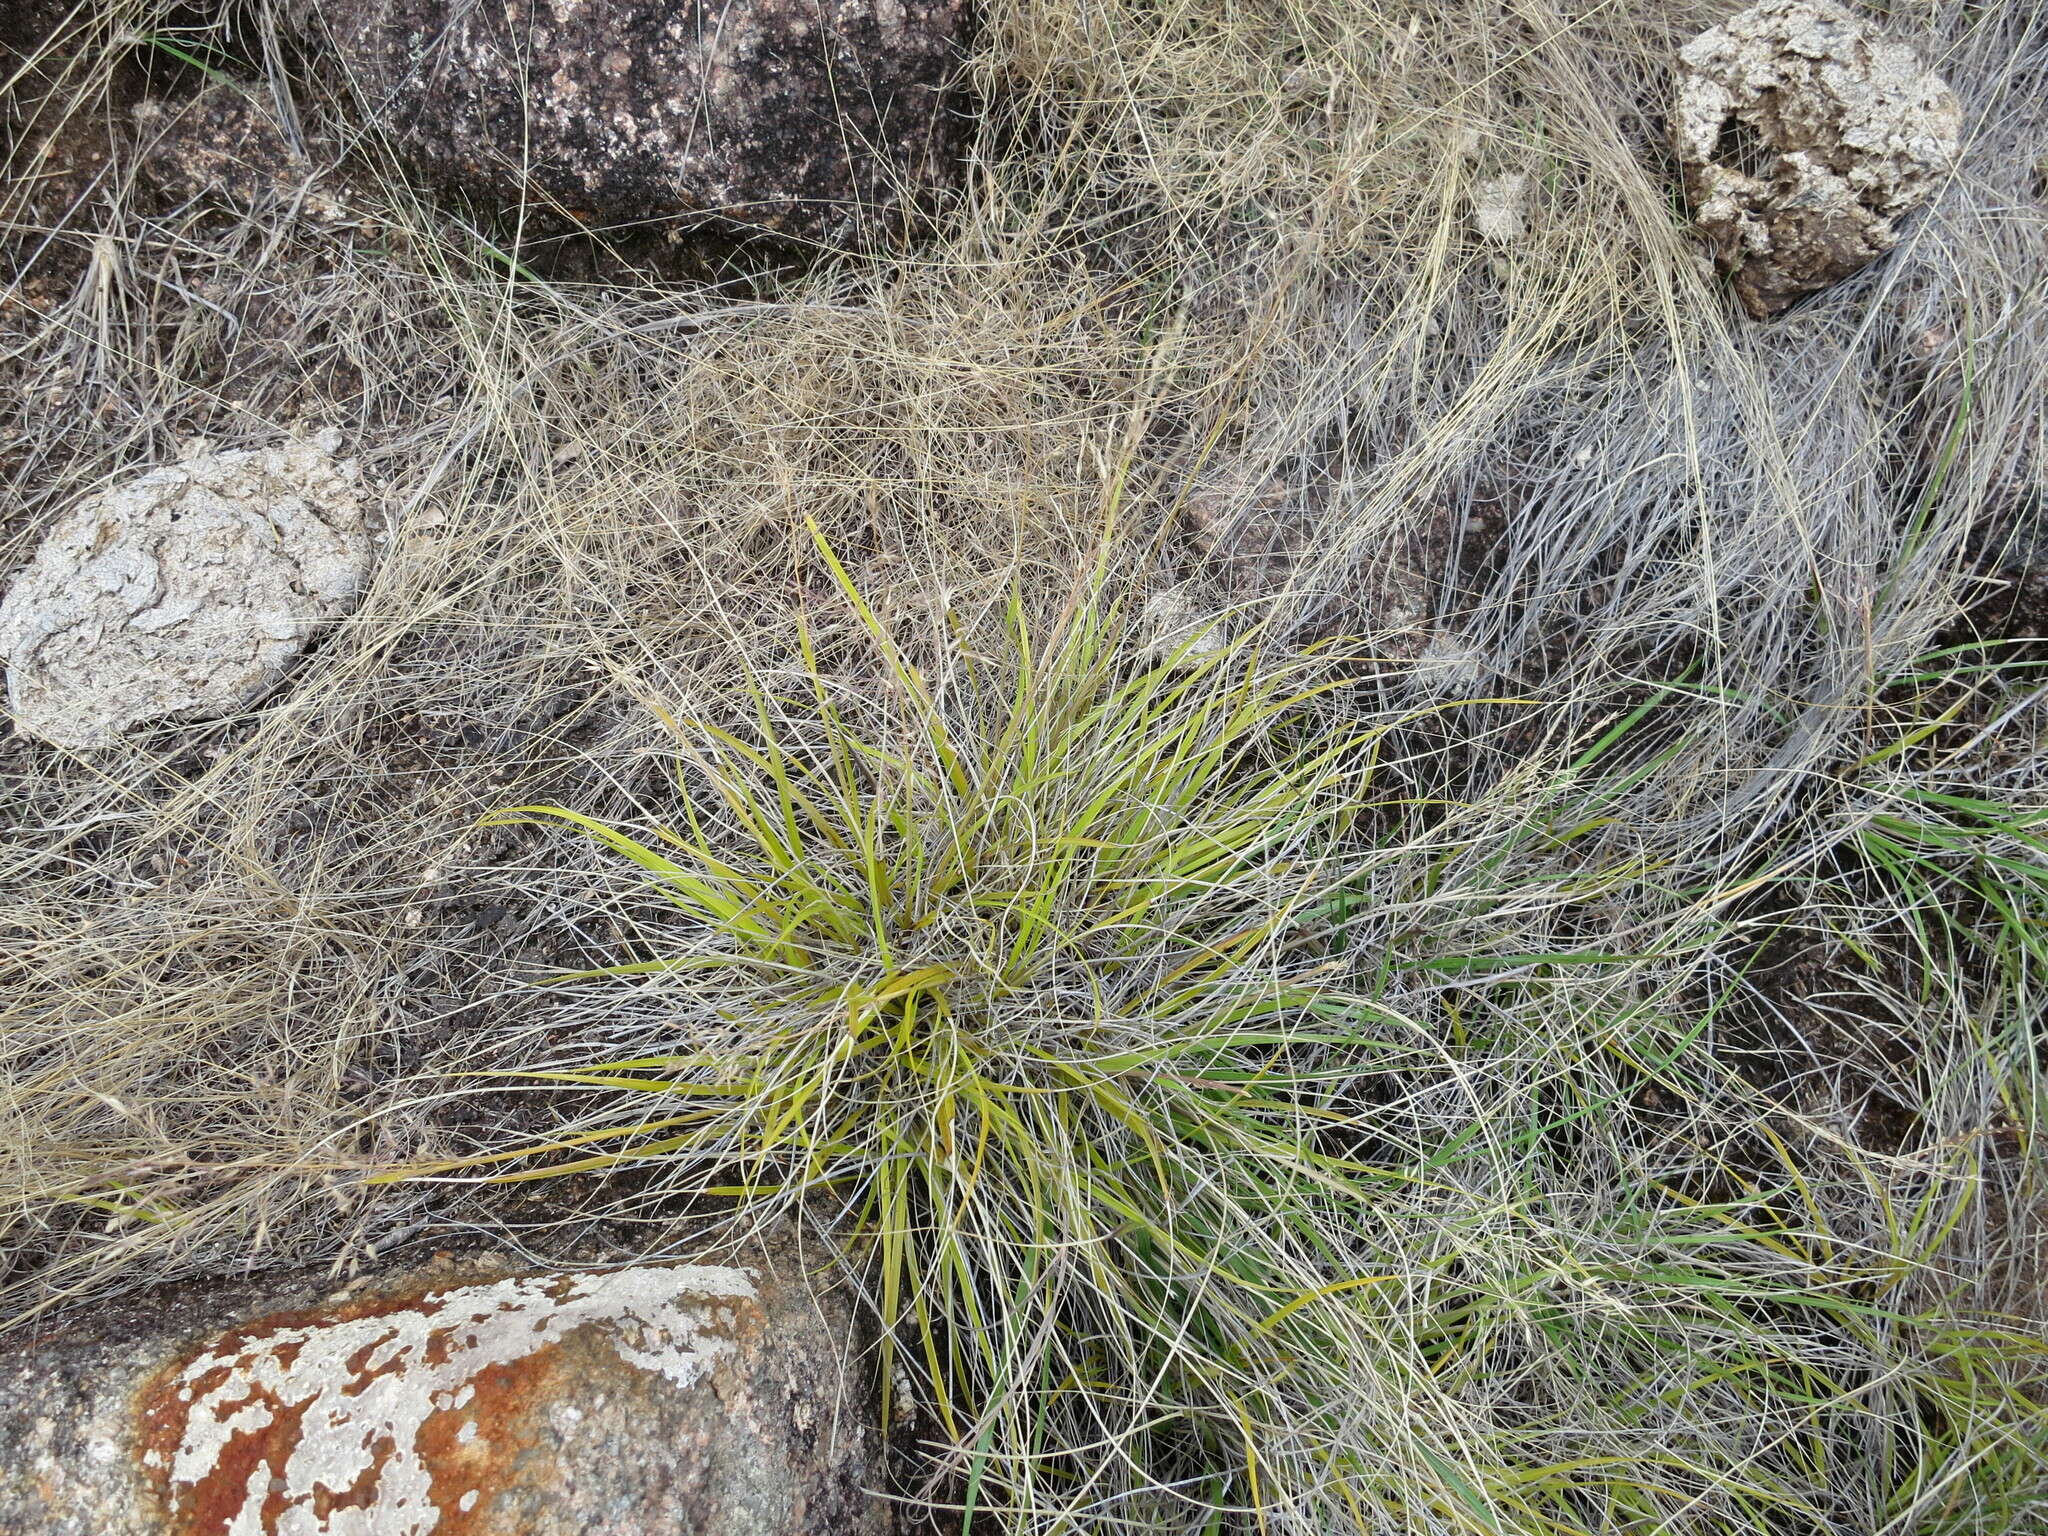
[(468, 1397), (183, 593), (1805, 138), (1500, 208), (822, 121)]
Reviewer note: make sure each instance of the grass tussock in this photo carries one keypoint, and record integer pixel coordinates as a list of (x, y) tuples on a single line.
[(1201, 1172), (1564, 1059), (974, 970)]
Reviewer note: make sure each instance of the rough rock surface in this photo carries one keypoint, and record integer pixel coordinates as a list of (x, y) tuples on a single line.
[(183, 593), (1805, 138), (820, 119), (1500, 208), (467, 1397)]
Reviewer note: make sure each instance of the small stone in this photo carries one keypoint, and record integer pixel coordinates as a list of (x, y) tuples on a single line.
[(1805, 138), (184, 593), (1177, 624), (1500, 208)]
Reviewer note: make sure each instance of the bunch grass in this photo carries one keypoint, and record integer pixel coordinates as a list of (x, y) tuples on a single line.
[(1010, 964), (1066, 991)]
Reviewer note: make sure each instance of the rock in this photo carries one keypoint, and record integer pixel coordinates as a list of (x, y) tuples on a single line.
[(183, 593), (1257, 536), (1500, 208), (466, 1397), (1176, 622), (1254, 526), (822, 121), (1804, 139)]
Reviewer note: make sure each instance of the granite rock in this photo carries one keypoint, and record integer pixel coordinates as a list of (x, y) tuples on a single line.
[(823, 120), (469, 1396)]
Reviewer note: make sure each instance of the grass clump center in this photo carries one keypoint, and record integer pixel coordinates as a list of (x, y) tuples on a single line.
[(1011, 964)]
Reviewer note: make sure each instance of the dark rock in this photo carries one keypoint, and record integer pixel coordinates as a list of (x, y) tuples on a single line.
[(465, 1397), (1805, 137), (821, 120)]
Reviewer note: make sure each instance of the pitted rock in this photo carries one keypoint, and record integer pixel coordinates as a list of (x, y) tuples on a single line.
[(823, 120), (1805, 137), (184, 593)]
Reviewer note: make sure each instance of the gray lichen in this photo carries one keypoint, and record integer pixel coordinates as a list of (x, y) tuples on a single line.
[(184, 593)]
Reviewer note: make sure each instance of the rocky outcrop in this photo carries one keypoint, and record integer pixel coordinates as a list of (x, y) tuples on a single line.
[(183, 593), (467, 1397), (823, 120), (1805, 138)]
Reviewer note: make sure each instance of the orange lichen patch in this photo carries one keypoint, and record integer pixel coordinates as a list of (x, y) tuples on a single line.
[(477, 1448), (396, 1415)]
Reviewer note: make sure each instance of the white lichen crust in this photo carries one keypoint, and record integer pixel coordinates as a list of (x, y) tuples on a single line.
[(355, 1426), (1804, 138), (184, 593), (1500, 208)]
